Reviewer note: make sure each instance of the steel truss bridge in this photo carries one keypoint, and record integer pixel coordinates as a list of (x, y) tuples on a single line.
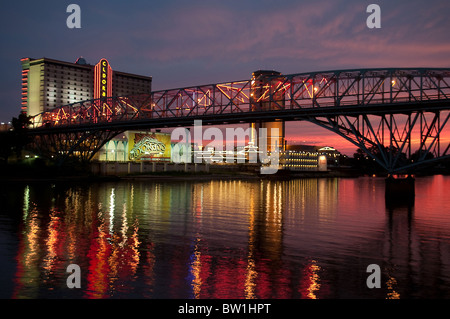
[(398, 117)]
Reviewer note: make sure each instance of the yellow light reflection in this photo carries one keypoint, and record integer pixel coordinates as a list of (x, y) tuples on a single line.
[(111, 209), (251, 273), (51, 242), (26, 202), (250, 278), (124, 258), (32, 240), (311, 281), (196, 262), (392, 294), (315, 285), (27, 276)]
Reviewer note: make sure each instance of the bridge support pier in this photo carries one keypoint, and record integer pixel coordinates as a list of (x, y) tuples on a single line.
[(400, 189), (275, 135), (264, 84)]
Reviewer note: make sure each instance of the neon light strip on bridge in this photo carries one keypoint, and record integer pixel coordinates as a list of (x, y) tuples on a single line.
[(382, 87)]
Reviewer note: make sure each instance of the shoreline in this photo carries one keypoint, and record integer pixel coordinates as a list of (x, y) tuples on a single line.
[(48, 176), (173, 177)]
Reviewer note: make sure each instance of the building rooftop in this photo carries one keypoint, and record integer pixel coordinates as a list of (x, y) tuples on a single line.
[(81, 61)]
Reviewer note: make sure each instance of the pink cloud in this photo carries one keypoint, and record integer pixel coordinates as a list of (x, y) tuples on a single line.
[(310, 33)]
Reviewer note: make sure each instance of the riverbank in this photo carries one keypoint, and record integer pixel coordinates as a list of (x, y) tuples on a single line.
[(39, 172)]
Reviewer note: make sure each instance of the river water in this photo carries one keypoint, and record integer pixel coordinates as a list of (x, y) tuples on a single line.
[(296, 239)]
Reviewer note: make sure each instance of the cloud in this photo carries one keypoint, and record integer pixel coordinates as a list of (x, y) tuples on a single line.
[(182, 43), (305, 34)]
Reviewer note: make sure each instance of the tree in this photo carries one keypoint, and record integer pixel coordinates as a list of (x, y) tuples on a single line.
[(360, 155), (367, 164), (6, 145), (19, 136), (21, 123), (421, 153)]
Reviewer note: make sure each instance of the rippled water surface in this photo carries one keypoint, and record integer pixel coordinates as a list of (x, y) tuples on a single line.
[(303, 238)]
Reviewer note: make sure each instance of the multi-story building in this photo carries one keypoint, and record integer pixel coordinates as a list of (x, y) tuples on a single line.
[(48, 83), (308, 158), (302, 161)]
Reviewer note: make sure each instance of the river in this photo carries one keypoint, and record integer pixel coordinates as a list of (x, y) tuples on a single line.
[(297, 239)]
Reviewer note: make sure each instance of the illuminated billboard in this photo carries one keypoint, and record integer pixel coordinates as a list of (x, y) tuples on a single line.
[(155, 147)]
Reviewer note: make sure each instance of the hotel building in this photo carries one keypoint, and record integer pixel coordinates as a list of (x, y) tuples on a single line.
[(48, 83)]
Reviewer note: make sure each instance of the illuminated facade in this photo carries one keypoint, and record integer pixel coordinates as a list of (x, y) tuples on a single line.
[(307, 158), (333, 155), (137, 146), (48, 83), (302, 161), (147, 146)]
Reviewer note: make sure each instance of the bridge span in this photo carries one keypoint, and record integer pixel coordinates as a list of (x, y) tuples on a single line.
[(390, 113)]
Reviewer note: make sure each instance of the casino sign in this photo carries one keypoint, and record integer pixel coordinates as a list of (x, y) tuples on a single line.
[(149, 147), (102, 79)]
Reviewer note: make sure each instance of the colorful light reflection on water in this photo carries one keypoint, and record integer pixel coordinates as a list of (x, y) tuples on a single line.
[(304, 238)]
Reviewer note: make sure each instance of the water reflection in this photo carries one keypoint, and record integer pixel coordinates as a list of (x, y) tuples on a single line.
[(306, 238), (311, 281)]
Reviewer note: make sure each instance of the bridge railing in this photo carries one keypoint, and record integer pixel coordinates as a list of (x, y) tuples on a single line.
[(331, 89)]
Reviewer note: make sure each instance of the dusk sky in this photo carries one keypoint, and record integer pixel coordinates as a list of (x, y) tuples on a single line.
[(187, 43)]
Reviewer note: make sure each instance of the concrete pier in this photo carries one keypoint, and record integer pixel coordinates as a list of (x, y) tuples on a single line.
[(400, 189)]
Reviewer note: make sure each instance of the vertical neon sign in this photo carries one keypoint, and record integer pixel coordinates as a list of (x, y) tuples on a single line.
[(103, 80), (102, 89)]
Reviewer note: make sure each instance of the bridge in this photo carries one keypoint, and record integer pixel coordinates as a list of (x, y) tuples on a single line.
[(397, 116)]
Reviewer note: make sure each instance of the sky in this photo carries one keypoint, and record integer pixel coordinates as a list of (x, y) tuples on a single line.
[(187, 43)]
